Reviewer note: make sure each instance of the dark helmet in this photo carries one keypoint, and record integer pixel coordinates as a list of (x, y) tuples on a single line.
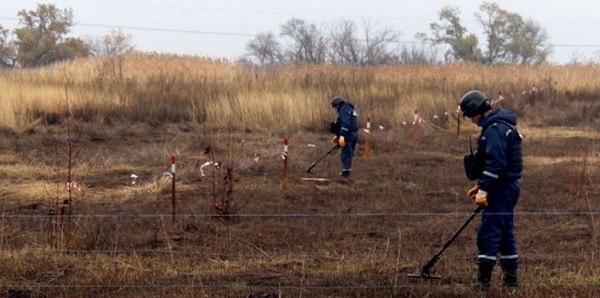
[(474, 103), (337, 101)]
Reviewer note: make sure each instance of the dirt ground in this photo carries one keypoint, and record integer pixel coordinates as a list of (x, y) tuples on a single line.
[(335, 237)]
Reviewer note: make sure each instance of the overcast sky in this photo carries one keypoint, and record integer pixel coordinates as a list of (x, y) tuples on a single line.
[(222, 28)]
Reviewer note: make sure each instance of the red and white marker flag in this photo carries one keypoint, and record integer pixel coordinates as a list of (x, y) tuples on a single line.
[(173, 164), (416, 117), (285, 149)]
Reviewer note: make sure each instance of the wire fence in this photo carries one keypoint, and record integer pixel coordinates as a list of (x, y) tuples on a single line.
[(293, 284), (283, 215)]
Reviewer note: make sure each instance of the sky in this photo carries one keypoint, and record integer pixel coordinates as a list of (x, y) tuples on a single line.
[(222, 28)]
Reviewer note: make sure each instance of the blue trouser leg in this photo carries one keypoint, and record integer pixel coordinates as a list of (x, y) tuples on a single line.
[(348, 152), (509, 258), (496, 233)]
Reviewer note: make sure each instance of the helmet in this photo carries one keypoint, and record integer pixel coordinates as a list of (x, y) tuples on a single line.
[(474, 103), (337, 101)]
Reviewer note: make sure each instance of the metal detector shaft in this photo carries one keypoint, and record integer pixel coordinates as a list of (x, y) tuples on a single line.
[(322, 157), (427, 267)]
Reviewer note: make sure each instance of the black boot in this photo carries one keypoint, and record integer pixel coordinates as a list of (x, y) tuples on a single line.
[(510, 278), (484, 275)]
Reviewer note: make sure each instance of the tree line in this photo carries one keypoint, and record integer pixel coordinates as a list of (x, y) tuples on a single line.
[(41, 39), (509, 38)]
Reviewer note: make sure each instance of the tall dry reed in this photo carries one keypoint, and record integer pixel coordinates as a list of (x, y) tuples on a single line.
[(156, 88)]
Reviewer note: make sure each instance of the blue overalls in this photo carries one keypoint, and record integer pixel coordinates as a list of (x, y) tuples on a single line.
[(501, 143), (347, 119)]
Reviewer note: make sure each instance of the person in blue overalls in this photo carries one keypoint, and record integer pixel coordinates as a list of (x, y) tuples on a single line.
[(499, 154), (345, 130)]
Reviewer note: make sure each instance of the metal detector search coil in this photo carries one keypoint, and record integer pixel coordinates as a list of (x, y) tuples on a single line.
[(425, 270)]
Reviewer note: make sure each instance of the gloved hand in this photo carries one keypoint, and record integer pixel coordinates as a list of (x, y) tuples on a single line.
[(334, 140), (471, 192), (481, 198), (342, 141)]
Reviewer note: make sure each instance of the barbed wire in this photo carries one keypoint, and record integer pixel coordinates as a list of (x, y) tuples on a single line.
[(341, 257), (261, 215), (297, 286), (283, 287)]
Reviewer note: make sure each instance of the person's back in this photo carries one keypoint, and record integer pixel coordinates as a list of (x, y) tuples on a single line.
[(502, 143)]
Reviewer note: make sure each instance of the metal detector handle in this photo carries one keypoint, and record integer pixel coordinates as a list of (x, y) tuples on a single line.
[(324, 155), (435, 258), (336, 146), (470, 145)]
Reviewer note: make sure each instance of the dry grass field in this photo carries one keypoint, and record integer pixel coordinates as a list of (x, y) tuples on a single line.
[(238, 229)]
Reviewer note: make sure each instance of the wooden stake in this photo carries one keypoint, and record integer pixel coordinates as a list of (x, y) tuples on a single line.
[(415, 126), (173, 202)]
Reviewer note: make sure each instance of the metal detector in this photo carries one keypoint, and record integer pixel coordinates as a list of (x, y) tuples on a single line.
[(425, 270), (322, 157)]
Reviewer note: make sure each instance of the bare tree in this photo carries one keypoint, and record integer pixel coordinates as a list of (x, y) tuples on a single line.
[(596, 58), (116, 43), (265, 48), (345, 46), (112, 46), (419, 54), (308, 45), (577, 58), (377, 44), (374, 47)]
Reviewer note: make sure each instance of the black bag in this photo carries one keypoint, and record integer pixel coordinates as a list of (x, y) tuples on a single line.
[(474, 164), (335, 127), (473, 167)]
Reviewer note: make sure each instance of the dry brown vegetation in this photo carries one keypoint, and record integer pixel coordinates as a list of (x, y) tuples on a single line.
[(95, 122)]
